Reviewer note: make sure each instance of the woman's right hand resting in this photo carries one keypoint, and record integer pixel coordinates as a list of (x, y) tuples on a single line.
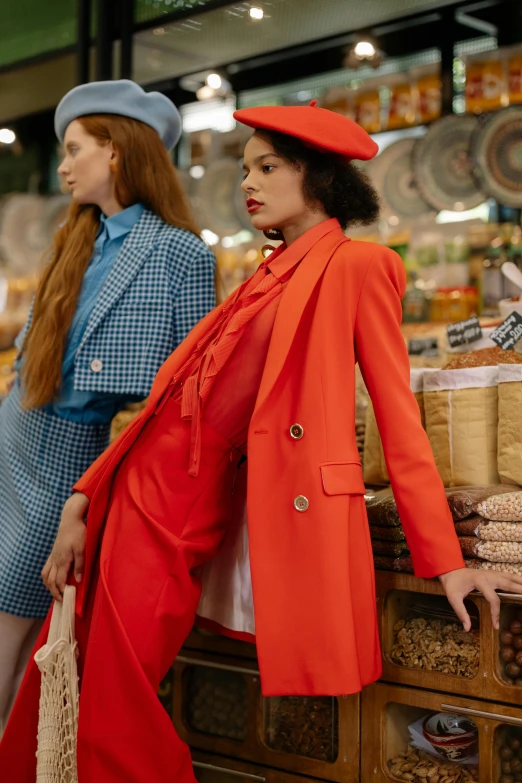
[(69, 546)]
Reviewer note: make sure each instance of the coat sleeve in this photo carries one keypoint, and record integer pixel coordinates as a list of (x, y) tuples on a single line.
[(383, 359)]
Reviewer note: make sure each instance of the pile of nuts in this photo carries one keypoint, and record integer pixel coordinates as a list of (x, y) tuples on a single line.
[(502, 508), (216, 703), (510, 756), (511, 651), (435, 645), (485, 357), (417, 766), (304, 726)]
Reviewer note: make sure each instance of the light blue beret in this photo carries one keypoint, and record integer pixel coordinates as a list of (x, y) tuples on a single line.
[(122, 97)]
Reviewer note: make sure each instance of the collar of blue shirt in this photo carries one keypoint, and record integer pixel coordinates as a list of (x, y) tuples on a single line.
[(122, 222)]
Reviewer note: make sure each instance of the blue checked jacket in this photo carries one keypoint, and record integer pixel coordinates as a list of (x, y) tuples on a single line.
[(160, 286)]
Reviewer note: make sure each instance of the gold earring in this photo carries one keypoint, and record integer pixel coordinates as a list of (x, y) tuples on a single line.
[(112, 166)]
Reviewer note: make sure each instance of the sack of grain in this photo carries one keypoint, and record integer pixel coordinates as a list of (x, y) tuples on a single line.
[(465, 501), (498, 531), (502, 508), (499, 551), (510, 423), (375, 471), (461, 409)]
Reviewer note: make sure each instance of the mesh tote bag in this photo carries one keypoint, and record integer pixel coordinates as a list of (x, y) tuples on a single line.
[(58, 718)]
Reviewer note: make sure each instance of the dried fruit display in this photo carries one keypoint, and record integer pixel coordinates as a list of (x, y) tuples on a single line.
[(417, 766), (436, 645), (510, 757), (303, 725), (216, 702), (510, 644)]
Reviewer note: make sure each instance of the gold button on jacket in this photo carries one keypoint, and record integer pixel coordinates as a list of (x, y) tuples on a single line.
[(301, 503)]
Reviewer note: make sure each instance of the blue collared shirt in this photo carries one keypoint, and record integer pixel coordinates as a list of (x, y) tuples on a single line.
[(94, 407)]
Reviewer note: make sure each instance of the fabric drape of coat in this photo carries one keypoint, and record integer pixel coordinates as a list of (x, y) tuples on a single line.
[(309, 554), (312, 570)]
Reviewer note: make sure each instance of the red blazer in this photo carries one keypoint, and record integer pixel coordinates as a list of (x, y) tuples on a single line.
[(312, 570)]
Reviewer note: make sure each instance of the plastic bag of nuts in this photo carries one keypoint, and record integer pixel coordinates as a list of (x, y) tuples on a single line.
[(417, 766), (499, 531), (502, 508), (465, 501), (505, 568), (499, 551)]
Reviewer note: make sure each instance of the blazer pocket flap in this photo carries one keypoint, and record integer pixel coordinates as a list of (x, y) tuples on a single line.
[(342, 478)]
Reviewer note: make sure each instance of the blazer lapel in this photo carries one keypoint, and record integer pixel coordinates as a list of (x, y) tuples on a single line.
[(291, 309), (133, 254)]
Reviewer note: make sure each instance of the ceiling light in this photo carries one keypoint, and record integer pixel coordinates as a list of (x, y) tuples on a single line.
[(205, 92), (364, 49), (6, 136), (197, 171), (214, 81), (363, 52), (256, 13)]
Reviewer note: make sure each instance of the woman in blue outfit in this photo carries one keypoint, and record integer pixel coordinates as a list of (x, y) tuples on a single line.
[(127, 278)]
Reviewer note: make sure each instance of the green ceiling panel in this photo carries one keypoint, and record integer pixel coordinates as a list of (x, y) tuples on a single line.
[(31, 27)]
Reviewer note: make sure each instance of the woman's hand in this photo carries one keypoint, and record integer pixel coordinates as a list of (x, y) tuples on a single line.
[(68, 547), (458, 584)]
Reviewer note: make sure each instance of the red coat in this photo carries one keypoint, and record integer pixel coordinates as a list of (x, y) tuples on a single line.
[(312, 570)]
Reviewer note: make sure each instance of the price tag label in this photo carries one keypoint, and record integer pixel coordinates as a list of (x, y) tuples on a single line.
[(509, 332), (423, 346), (464, 332)]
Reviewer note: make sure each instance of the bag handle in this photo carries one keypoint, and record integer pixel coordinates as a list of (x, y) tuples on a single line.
[(62, 619)]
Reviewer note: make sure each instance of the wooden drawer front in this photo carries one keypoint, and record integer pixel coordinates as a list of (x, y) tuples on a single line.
[(218, 708), (388, 710), (216, 769), (402, 597), (206, 641)]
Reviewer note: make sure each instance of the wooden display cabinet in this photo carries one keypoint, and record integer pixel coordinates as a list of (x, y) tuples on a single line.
[(206, 641), (397, 593), (218, 708), (216, 769), (388, 710)]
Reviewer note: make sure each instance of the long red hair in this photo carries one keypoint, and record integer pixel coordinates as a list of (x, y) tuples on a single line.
[(144, 174)]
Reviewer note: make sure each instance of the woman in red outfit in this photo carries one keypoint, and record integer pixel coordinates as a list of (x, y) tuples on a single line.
[(268, 375)]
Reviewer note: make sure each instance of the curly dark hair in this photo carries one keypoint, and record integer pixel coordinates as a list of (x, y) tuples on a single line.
[(344, 191)]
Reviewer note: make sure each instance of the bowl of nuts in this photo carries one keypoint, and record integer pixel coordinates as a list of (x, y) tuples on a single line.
[(452, 736)]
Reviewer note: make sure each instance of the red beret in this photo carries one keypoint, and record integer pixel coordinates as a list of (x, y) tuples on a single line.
[(321, 129)]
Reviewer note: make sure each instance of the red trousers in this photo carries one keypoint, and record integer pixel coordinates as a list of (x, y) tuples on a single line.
[(161, 525)]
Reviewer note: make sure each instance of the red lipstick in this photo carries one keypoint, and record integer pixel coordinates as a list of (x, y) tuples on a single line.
[(253, 205)]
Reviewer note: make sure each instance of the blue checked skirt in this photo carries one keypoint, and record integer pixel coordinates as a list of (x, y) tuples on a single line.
[(41, 458)]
